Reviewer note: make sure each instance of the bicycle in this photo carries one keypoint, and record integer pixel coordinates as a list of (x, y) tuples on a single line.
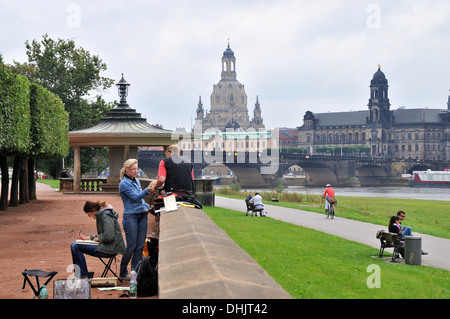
[(330, 210)]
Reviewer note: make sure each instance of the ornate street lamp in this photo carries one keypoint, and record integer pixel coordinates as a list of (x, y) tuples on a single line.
[(122, 87)]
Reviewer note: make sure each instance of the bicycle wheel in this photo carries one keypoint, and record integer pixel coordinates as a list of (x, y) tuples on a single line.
[(332, 211), (327, 212)]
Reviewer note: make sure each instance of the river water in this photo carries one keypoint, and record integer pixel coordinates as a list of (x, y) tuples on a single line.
[(379, 191)]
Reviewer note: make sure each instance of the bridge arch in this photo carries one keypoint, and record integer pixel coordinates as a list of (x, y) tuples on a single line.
[(418, 167), (316, 173), (370, 174)]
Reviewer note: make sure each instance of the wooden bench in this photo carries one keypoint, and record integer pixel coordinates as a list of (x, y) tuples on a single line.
[(389, 240), (251, 208)]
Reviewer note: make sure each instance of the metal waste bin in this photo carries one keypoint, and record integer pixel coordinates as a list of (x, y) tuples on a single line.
[(413, 250)]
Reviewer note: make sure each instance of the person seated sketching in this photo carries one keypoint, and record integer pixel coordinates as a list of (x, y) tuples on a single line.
[(109, 237)]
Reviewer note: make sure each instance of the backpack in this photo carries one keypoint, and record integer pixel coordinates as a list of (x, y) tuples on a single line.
[(147, 278)]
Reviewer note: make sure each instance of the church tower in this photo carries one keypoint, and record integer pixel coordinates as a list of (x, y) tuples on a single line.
[(229, 101), (379, 101), (257, 121), (200, 111)]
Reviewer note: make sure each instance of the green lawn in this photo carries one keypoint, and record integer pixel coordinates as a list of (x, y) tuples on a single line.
[(52, 182), (424, 216), (312, 264)]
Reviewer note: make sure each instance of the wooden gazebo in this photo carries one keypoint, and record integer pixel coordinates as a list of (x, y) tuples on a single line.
[(123, 130)]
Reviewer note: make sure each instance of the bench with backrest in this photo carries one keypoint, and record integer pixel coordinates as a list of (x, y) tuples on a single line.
[(389, 240), (251, 208)]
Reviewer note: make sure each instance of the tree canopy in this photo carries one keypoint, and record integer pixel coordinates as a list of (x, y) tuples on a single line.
[(33, 124), (73, 74), (44, 98), (70, 72)]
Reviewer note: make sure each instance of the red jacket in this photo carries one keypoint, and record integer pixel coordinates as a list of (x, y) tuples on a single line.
[(329, 192)]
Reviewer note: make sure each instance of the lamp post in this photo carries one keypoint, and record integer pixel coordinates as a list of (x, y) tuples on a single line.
[(122, 87)]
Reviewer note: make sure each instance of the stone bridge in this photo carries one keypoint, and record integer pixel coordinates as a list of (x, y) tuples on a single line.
[(257, 170)]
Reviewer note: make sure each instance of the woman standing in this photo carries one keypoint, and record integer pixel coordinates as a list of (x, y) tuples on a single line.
[(134, 215), (109, 237)]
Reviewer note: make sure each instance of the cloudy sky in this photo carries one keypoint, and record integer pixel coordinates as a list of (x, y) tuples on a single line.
[(296, 55)]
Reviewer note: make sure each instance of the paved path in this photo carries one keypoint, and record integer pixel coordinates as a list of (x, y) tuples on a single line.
[(438, 248)]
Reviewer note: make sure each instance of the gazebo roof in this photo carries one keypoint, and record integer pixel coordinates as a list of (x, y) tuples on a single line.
[(122, 126), (112, 130)]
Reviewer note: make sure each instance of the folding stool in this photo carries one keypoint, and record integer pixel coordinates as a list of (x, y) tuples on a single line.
[(37, 273), (108, 266)]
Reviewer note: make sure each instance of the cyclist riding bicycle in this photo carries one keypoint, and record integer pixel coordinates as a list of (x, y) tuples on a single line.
[(329, 195)]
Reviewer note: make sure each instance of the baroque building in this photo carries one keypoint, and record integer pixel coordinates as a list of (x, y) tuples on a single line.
[(420, 134), (228, 102)]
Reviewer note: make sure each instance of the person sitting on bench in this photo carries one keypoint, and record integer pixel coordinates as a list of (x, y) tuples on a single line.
[(108, 242), (258, 203), (394, 226)]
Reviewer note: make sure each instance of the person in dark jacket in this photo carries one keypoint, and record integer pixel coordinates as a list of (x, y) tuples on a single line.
[(394, 226), (175, 173), (108, 240)]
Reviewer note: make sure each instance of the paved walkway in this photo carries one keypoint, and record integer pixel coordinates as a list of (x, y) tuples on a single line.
[(438, 248)]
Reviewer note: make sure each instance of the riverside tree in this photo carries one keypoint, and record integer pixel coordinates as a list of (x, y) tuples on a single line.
[(73, 74), (33, 124)]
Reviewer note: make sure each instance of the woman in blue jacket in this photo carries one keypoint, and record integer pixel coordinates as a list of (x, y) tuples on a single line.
[(135, 211)]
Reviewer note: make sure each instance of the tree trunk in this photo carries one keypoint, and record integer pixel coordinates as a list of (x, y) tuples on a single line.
[(5, 183), (14, 194), (23, 183), (31, 179)]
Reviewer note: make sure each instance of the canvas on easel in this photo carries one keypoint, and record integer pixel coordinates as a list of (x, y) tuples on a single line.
[(170, 203)]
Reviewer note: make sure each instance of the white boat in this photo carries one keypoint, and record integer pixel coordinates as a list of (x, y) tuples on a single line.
[(430, 178)]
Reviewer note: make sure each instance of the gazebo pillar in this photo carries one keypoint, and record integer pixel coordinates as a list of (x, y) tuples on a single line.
[(77, 169), (117, 156)]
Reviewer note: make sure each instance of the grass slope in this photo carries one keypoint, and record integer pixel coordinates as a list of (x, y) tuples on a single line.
[(312, 264)]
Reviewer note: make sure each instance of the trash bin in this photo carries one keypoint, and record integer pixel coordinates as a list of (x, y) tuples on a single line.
[(413, 250)]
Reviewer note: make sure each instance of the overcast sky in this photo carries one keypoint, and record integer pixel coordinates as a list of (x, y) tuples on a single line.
[(295, 55)]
